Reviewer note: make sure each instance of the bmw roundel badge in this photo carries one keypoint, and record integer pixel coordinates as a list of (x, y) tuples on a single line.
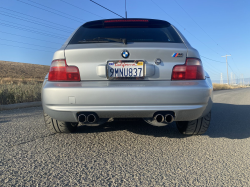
[(125, 54)]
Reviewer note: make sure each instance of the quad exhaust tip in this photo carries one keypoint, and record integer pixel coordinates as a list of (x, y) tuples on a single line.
[(91, 118), (169, 118), (159, 118), (82, 118)]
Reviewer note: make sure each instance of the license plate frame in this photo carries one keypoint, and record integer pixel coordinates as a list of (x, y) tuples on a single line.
[(126, 78)]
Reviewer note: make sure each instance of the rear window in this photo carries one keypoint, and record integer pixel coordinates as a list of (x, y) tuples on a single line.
[(136, 30)]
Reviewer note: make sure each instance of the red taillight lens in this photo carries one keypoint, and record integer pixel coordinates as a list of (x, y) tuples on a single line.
[(60, 71), (192, 70)]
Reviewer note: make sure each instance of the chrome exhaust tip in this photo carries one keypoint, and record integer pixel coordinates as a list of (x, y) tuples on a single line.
[(82, 118), (159, 118), (91, 118), (169, 118)]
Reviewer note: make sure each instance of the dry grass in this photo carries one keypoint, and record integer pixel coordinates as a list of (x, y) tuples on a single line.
[(11, 93), (21, 82), (21, 71), (226, 86)]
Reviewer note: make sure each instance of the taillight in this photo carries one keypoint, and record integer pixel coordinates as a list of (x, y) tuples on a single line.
[(60, 71), (191, 70)]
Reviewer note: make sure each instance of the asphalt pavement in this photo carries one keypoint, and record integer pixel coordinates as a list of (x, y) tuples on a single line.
[(128, 153)]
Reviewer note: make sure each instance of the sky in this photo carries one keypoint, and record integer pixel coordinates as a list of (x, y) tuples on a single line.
[(32, 30)]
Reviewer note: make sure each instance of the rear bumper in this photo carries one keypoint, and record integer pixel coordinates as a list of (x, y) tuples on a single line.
[(127, 99)]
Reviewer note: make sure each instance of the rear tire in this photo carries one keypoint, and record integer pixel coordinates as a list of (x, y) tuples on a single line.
[(56, 126), (195, 127)]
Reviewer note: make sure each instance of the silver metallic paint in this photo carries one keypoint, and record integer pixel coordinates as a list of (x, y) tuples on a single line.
[(88, 56), (188, 99)]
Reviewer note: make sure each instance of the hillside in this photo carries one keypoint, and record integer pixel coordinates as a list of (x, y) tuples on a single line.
[(17, 70)]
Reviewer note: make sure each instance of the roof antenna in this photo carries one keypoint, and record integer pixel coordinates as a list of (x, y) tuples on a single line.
[(125, 9), (106, 8)]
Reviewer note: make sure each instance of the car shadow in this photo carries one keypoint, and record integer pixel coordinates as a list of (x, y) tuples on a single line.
[(4, 121), (136, 126), (229, 121)]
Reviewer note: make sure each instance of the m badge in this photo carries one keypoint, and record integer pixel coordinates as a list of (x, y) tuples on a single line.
[(177, 55)]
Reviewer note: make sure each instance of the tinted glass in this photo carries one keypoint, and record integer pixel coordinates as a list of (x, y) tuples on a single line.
[(133, 32)]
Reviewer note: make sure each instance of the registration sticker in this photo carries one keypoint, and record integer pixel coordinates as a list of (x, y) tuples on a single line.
[(139, 63)]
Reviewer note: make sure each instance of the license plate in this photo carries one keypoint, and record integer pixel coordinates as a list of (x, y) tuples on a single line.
[(125, 70)]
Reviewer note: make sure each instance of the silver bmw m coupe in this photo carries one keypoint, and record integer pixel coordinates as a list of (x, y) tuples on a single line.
[(127, 68)]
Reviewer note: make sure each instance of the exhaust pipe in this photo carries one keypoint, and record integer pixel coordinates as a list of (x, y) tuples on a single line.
[(91, 118), (82, 118), (159, 118), (169, 118)]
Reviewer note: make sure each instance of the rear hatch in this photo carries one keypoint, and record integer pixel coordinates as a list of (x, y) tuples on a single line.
[(98, 43)]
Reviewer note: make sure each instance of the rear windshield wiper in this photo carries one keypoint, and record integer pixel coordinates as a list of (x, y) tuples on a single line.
[(101, 39), (92, 41)]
